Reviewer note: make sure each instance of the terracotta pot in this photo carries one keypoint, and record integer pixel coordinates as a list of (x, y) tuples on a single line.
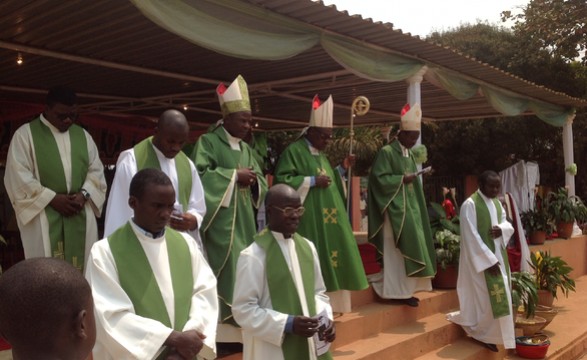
[(564, 229), (537, 237), (545, 298), (447, 278)]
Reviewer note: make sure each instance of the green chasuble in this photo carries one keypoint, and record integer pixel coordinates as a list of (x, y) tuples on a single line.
[(283, 292), (147, 159), (405, 207), (325, 221), (226, 230), (495, 285), (67, 234)]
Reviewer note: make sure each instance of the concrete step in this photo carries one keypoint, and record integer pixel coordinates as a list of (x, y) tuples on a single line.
[(368, 320), (406, 341)]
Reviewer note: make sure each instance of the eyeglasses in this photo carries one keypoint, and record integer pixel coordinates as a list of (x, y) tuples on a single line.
[(73, 116), (289, 211)]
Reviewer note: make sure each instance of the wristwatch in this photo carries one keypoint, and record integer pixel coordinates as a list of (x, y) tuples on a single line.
[(85, 194)]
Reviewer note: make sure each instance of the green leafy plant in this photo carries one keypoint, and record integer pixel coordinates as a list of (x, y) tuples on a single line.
[(552, 273), (535, 220), (564, 208), (448, 248), (524, 292)]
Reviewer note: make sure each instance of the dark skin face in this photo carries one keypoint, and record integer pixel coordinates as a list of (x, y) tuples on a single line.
[(61, 116), (153, 210), (319, 137), (239, 124), (278, 220), (408, 138), (491, 187)]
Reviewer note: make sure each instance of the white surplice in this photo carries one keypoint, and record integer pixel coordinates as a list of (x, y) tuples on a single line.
[(29, 198), (118, 212), (392, 282), (121, 334), (475, 315), (263, 327)]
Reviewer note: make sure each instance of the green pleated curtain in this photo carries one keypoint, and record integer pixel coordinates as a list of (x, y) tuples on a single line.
[(239, 29)]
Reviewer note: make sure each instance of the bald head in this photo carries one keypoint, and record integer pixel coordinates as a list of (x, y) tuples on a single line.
[(172, 133), (279, 193)]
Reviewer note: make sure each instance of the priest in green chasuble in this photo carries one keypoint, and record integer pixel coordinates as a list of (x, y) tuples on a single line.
[(229, 172), (398, 219), (154, 293), (279, 296), (55, 181), (303, 166), (484, 275)]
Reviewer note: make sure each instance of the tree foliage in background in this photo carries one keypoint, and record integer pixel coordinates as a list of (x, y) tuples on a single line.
[(558, 26), (465, 147)]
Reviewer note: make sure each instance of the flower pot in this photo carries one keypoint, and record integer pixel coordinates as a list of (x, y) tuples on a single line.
[(537, 237), (530, 326), (545, 298), (564, 229), (446, 278), (546, 312), (532, 347)]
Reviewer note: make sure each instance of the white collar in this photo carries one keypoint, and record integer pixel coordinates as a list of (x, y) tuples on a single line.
[(234, 142)]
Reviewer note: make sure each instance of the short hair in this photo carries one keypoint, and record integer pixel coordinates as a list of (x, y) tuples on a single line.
[(145, 177), (37, 298), (61, 95), (485, 175)]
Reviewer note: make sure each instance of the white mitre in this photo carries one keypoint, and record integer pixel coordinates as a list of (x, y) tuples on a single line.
[(411, 118), (321, 115), (234, 98)]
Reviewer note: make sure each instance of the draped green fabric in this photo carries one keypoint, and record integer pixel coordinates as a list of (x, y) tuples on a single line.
[(67, 234), (457, 86), (138, 281), (505, 102), (369, 62), (240, 29), (496, 289)]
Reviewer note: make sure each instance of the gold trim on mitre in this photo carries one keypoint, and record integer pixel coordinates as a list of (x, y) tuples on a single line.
[(321, 115), (234, 98), (411, 118)]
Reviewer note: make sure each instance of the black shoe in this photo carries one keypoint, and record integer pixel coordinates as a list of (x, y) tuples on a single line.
[(413, 302), (491, 347), (225, 349)]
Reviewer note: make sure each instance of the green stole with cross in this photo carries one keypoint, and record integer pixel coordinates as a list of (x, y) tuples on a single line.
[(283, 292), (67, 234), (146, 158), (495, 285), (138, 281)]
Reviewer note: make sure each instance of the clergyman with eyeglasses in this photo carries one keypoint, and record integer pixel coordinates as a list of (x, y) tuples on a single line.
[(280, 298), (304, 167), (55, 181)]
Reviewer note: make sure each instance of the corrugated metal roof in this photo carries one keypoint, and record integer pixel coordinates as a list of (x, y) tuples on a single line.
[(123, 63)]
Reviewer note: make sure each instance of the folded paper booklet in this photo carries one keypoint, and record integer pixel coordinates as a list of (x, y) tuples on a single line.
[(321, 346), (426, 170), (207, 353)]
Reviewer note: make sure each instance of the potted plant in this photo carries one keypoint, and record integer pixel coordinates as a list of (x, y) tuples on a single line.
[(535, 222), (447, 243), (564, 210), (552, 273), (524, 292)]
